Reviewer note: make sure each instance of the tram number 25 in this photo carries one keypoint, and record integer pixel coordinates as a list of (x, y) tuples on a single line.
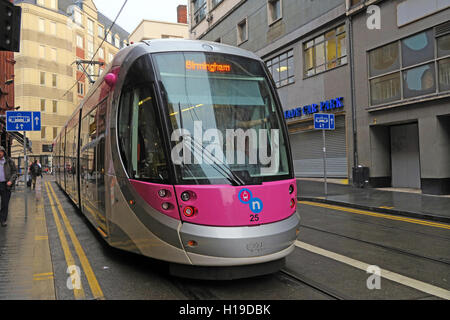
[(254, 218)]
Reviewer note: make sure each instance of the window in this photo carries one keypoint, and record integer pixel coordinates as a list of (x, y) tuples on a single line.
[(109, 37), (42, 105), (101, 53), (117, 41), (80, 89), (394, 76), (54, 80), (77, 16), (43, 132), (141, 146), (282, 68), (53, 4), (199, 10), (55, 106), (42, 79), (80, 41), (55, 133), (42, 52), (90, 27), (215, 3), (53, 28), (325, 52), (90, 47), (242, 31), (53, 54), (101, 32), (41, 24), (274, 10), (110, 57), (41, 2)]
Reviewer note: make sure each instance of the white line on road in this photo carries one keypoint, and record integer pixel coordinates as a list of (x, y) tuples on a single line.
[(415, 284)]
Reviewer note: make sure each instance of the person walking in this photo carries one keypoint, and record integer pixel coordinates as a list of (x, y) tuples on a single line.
[(35, 171), (8, 176)]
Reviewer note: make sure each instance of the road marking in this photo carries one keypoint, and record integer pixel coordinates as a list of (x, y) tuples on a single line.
[(40, 238), (385, 207), (79, 293), (406, 281), (92, 280), (378, 215)]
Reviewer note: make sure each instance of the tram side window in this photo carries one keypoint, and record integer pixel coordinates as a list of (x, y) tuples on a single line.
[(140, 136)]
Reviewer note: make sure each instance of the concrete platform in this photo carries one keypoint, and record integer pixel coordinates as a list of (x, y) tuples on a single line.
[(398, 202), (26, 271)]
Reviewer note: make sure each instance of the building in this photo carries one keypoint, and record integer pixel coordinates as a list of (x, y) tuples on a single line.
[(381, 67), (7, 63), (55, 34), (149, 29)]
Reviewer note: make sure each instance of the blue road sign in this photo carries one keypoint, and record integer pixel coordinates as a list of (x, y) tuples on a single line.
[(324, 121), (23, 121)]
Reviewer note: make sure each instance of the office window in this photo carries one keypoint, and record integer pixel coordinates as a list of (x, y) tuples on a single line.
[(418, 48), (215, 3), (42, 78), (242, 31), (43, 132), (325, 52), (80, 41), (90, 49), (394, 76), (109, 37), (55, 133), (53, 28), (42, 105), (199, 10), (282, 68), (55, 106), (54, 80), (41, 25), (42, 52), (53, 4), (274, 10)]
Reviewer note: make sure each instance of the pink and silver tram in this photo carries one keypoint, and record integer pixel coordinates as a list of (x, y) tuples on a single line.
[(180, 152)]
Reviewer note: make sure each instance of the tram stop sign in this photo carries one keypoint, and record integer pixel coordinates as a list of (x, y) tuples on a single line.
[(324, 121), (23, 121)]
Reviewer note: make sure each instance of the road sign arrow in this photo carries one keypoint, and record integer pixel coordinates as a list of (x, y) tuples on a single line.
[(37, 120)]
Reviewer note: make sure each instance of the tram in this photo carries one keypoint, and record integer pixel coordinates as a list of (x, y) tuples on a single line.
[(180, 152)]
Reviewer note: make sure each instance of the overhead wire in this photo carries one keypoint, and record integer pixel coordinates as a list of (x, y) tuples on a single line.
[(98, 48)]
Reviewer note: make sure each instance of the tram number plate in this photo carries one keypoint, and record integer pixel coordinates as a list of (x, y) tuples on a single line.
[(254, 218)]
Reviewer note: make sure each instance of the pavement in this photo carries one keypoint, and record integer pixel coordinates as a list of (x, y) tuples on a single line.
[(409, 204), (26, 271)]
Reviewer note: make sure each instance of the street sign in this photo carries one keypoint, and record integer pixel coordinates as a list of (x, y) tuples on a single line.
[(324, 121), (23, 121)]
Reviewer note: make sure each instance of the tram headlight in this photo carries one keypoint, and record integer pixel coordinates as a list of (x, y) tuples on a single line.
[(291, 189), (166, 206), (185, 196), (163, 193)]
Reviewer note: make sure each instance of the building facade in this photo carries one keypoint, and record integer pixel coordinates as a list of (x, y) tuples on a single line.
[(380, 66), (55, 35)]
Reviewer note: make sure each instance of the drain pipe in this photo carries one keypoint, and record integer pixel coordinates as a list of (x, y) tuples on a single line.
[(353, 97)]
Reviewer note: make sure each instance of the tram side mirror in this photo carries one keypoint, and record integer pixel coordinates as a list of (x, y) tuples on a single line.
[(111, 79)]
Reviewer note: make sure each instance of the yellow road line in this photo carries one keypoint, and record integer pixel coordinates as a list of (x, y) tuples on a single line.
[(378, 215), (43, 274), (92, 280), (79, 293)]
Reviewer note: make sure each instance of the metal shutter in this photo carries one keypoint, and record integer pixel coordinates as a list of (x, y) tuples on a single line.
[(308, 155)]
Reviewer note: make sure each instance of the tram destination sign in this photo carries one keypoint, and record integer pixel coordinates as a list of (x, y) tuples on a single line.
[(23, 121), (324, 121)]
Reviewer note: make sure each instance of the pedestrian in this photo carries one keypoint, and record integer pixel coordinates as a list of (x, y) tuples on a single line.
[(8, 176), (35, 172)]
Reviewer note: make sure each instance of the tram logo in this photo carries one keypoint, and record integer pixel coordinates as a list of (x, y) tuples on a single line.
[(255, 204)]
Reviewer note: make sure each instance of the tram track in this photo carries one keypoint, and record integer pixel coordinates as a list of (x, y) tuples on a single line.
[(326, 291), (393, 249)]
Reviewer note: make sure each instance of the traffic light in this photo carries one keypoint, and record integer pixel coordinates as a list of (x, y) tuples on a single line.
[(10, 16)]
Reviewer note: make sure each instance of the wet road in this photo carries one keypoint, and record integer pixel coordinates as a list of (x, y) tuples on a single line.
[(335, 247)]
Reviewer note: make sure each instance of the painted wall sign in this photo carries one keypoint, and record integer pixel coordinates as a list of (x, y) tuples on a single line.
[(315, 108)]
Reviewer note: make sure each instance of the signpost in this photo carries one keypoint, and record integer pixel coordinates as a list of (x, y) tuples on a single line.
[(324, 121), (23, 121)]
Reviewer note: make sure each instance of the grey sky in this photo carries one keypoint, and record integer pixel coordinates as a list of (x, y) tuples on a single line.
[(137, 10)]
